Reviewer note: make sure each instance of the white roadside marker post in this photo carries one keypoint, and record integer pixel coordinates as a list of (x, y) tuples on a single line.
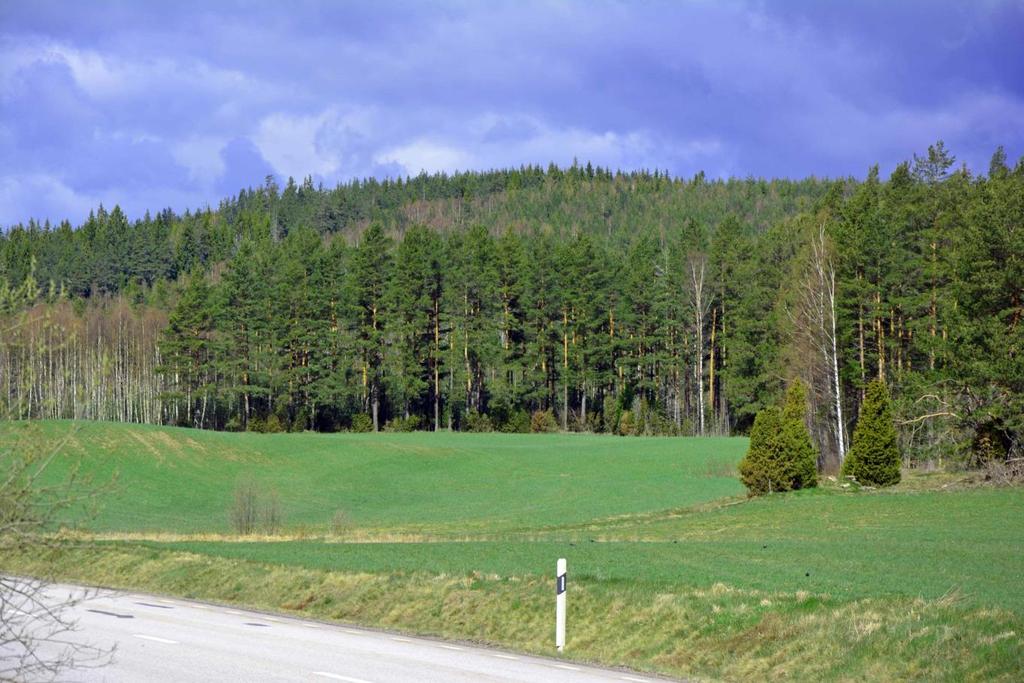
[(560, 604)]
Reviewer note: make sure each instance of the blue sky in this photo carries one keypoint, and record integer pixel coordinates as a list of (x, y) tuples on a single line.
[(150, 105)]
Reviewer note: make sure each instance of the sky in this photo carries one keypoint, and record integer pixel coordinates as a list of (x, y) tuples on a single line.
[(179, 104)]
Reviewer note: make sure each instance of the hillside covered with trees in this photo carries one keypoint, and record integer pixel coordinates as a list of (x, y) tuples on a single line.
[(574, 299)]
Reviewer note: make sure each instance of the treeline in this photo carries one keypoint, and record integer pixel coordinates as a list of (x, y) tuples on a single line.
[(530, 299)]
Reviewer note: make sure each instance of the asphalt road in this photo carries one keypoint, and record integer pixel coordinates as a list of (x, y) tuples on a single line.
[(159, 639)]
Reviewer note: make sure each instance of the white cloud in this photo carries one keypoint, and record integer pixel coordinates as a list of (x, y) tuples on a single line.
[(426, 155), (289, 144), (201, 155), (40, 196), (334, 143), (103, 75)]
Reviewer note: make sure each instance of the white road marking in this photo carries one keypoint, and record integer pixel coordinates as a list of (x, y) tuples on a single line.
[(276, 621), (630, 678), (200, 606), (237, 614), (401, 640), (566, 667), (310, 625), (505, 657), (452, 647), (338, 677), (169, 602), (353, 631), (155, 639)]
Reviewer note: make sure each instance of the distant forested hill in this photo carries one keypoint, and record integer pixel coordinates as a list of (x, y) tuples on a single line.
[(536, 298)]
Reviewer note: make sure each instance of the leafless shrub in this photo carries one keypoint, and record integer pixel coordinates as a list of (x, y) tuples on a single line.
[(1004, 472), (254, 509), (340, 522), (244, 511), (272, 518)]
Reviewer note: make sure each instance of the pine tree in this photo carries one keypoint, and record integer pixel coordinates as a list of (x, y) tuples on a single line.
[(371, 270), (875, 455)]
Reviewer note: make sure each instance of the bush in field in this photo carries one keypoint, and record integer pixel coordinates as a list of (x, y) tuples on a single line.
[(781, 456), (477, 422), (362, 423), (518, 423), (244, 511), (340, 522), (626, 425), (874, 457), (799, 450), (254, 509), (612, 411), (764, 468), (403, 424), (543, 421)]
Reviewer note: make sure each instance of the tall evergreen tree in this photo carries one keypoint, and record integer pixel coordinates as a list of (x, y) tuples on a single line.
[(875, 454), (370, 273)]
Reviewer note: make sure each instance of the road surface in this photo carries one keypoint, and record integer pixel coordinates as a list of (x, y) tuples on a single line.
[(160, 639)]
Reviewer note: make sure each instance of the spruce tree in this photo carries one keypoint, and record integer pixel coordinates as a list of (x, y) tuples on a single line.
[(763, 469), (874, 458), (801, 459)]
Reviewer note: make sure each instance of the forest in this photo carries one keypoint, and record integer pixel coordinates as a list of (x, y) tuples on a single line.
[(539, 299)]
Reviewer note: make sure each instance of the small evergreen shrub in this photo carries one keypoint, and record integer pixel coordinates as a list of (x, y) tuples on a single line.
[(477, 422), (543, 422), (626, 425), (874, 458), (403, 424), (800, 453), (781, 456), (764, 468), (273, 425), (611, 413), (518, 423), (362, 423)]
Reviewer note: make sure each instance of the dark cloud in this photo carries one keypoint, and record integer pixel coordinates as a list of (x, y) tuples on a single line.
[(183, 103)]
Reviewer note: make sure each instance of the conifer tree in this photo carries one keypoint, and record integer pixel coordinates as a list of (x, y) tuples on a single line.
[(874, 458), (371, 271), (799, 450), (764, 468)]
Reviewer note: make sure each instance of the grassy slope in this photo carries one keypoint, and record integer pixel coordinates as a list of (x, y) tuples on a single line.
[(928, 545), (826, 585), (183, 480)]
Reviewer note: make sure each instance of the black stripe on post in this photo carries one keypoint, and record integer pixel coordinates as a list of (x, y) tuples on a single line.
[(560, 584)]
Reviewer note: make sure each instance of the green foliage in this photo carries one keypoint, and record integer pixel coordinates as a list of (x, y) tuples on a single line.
[(403, 424), (765, 468), (518, 422), (477, 422), (626, 423), (781, 456), (543, 422), (537, 289), (874, 457), (361, 423), (800, 452)]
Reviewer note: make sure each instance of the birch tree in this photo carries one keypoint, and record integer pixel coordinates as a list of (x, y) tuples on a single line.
[(813, 318), (700, 307)]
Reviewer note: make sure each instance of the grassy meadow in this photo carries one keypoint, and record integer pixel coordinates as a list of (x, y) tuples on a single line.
[(672, 570), (183, 481)]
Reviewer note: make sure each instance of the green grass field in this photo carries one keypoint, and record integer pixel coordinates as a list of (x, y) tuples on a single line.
[(672, 570), (183, 481)]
